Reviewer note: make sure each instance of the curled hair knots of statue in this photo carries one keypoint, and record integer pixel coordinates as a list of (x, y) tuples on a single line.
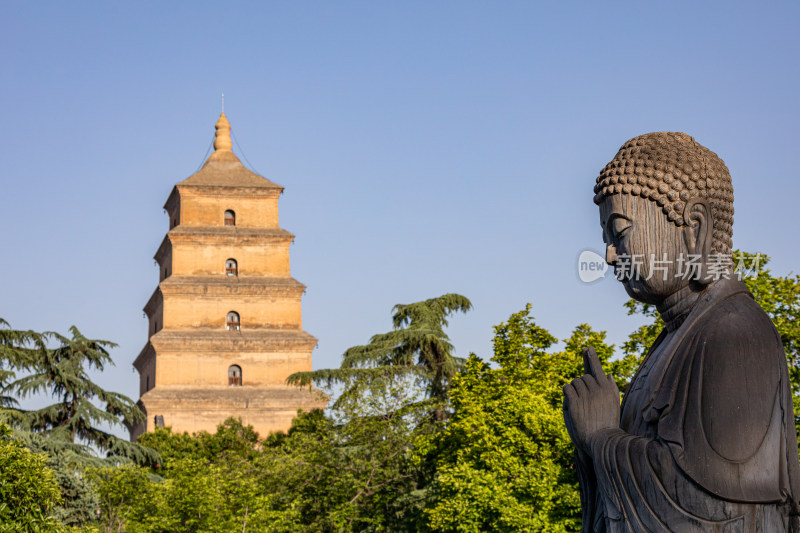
[(671, 168)]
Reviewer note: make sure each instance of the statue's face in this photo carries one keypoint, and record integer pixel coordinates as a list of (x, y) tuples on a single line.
[(642, 243)]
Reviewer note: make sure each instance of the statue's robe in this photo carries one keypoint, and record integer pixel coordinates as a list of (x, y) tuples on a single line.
[(707, 439)]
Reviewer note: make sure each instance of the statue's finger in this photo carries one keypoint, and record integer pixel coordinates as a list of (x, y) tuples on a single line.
[(591, 383), (569, 394), (581, 388), (591, 363), (568, 423)]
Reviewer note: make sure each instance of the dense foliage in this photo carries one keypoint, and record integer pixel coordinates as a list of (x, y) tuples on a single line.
[(503, 462), (343, 472), (28, 489)]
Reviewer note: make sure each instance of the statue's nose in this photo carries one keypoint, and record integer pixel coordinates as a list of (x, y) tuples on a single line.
[(611, 254)]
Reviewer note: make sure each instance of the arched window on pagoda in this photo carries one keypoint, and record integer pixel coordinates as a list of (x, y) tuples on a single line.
[(232, 321), (230, 218), (235, 376), (231, 268)]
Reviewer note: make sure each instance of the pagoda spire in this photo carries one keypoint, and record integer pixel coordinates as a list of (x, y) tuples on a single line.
[(222, 139)]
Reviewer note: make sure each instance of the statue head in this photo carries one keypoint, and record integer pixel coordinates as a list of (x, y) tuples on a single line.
[(666, 205)]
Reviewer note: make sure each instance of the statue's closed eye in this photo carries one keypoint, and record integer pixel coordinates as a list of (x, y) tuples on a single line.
[(619, 226)]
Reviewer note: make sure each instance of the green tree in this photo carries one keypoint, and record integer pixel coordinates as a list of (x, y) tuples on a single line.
[(16, 348), (340, 473), (504, 462), (126, 496), (416, 346), (62, 374), (205, 482), (351, 471), (232, 439), (28, 489), (346, 472)]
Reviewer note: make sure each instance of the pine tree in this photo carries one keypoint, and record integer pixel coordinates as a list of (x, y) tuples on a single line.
[(417, 346), (61, 372)]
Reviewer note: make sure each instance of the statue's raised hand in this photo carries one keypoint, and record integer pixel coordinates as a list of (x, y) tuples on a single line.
[(591, 402)]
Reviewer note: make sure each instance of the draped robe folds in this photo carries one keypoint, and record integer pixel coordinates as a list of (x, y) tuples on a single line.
[(706, 439)]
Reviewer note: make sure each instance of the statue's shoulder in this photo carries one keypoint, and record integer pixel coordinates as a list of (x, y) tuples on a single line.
[(736, 322)]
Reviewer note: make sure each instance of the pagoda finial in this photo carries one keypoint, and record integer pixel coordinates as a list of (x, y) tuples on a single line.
[(222, 141)]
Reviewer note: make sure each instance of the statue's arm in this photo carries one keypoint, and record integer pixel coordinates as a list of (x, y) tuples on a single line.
[(630, 477)]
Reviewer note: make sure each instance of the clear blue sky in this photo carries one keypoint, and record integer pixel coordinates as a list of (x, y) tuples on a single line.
[(425, 147)]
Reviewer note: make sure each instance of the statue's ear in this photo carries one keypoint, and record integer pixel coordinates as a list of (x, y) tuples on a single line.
[(698, 233)]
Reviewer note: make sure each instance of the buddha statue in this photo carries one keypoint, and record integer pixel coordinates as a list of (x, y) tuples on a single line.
[(705, 438)]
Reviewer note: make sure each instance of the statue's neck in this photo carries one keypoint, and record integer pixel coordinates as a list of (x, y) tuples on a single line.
[(676, 306)]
